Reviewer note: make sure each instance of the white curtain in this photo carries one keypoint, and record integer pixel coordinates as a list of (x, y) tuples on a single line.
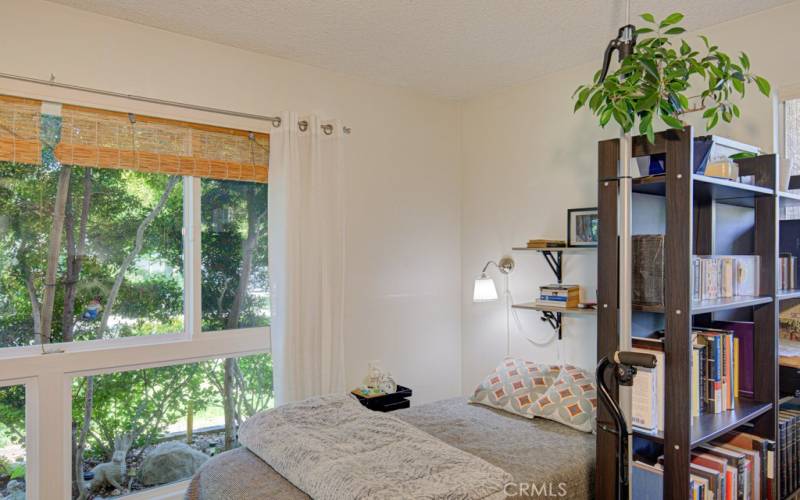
[(306, 258)]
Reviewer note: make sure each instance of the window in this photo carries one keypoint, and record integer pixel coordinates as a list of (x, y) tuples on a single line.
[(12, 441), (235, 280), (134, 292), (118, 271), (165, 422)]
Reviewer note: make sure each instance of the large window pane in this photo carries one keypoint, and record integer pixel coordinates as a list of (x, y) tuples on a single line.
[(100, 257), (156, 426), (12, 442), (235, 281)]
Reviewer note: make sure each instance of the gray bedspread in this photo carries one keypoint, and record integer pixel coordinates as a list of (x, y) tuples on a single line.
[(546, 459)]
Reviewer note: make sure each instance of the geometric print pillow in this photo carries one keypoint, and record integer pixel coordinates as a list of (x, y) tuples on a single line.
[(571, 400), (515, 385)]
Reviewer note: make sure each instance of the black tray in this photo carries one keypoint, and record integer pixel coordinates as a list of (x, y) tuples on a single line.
[(387, 400)]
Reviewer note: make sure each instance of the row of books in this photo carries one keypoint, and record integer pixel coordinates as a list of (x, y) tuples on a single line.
[(735, 466), (789, 446), (724, 276), (559, 295), (718, 373)]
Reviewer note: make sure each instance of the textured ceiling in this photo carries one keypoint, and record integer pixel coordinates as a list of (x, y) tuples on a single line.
[(450, 48)]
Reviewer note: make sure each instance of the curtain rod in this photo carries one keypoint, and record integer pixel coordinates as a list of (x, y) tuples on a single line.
[(275, 120)]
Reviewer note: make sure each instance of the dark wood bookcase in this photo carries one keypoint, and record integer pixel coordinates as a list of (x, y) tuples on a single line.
[(696, 211)]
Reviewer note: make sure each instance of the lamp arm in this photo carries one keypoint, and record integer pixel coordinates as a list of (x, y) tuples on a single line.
[(487, 266)]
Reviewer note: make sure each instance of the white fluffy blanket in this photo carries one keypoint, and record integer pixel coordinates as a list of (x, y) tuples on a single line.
[(333, 448)]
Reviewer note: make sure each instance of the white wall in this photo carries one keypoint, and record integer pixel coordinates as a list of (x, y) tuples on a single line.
[(527, 158), (403, 244)]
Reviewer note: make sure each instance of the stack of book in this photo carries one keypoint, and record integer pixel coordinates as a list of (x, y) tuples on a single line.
[(735, 466), (718, 375), (788, 266), (789, 450), (559, 295), (724, 276), (542, 243)]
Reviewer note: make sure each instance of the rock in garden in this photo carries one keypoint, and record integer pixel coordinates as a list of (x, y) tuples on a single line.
[(169, 462)]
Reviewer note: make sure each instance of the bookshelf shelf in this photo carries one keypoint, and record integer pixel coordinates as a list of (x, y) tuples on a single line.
[(788, 294), (716, 305), (699, 215), (720, 190), (563, 310), (712, 425)]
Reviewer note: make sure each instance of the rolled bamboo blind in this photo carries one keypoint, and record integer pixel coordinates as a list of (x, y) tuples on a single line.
[(105, 139)]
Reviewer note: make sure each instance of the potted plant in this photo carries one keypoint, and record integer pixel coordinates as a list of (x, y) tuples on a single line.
[(656, 81)]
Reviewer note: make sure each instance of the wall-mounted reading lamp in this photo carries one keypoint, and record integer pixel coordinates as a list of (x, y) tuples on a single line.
[(486, 291)]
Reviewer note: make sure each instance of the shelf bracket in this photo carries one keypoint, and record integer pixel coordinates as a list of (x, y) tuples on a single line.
[(554, 319), (554, 261)]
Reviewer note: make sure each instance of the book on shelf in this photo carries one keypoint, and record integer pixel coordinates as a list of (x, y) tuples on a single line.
[(716, 374), (734, 466), (567, 296), (654, 415), (545, 243), (724, 276)]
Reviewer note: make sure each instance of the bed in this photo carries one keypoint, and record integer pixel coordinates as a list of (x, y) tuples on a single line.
[(545, 458)]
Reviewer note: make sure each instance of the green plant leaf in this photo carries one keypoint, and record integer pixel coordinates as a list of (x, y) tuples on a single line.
[(677, 30), (705, 40), (736, 111), (708, 112), (745, 61), (642, 31), (648, 17), (738, 85), (712, 122), (763, 85), (671, 19), (671, 121), (743, 155), (596, 100), (605, 116)]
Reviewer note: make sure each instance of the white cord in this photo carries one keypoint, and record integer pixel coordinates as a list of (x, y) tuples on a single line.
[(545, 343)]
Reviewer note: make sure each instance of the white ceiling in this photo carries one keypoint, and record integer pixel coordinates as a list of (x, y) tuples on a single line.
[(449, 48)]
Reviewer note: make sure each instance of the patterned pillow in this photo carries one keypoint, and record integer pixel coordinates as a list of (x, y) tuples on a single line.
[(571, 400), (514, 385)]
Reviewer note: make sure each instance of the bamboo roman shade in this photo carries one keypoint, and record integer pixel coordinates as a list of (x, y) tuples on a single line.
[(89, 137)]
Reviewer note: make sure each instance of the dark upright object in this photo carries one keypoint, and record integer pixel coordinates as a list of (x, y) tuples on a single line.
[(690, 228)]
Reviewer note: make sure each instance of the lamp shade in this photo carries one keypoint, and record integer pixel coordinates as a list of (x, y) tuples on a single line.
[(484, 290)]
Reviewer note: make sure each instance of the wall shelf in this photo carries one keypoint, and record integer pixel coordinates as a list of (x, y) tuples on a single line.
[(553, 257)]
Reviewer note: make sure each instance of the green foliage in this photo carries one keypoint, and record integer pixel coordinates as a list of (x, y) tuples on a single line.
[(146, 402), (653, 83), (17, 471)]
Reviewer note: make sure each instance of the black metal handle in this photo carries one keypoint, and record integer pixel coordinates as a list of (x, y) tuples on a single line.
[(629, 358)]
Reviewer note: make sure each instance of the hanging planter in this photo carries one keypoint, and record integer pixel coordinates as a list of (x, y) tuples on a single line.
[(665, 78)]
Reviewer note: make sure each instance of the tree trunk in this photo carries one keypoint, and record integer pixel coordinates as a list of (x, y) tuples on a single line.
[(189, 423), (75, 255), (112, 297), (36, 307), (231, 364), (54, 249)]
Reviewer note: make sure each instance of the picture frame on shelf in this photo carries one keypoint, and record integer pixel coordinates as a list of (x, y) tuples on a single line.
[(582, 227)]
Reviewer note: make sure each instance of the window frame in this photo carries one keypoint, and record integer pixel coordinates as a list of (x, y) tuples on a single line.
[(48, 376)]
